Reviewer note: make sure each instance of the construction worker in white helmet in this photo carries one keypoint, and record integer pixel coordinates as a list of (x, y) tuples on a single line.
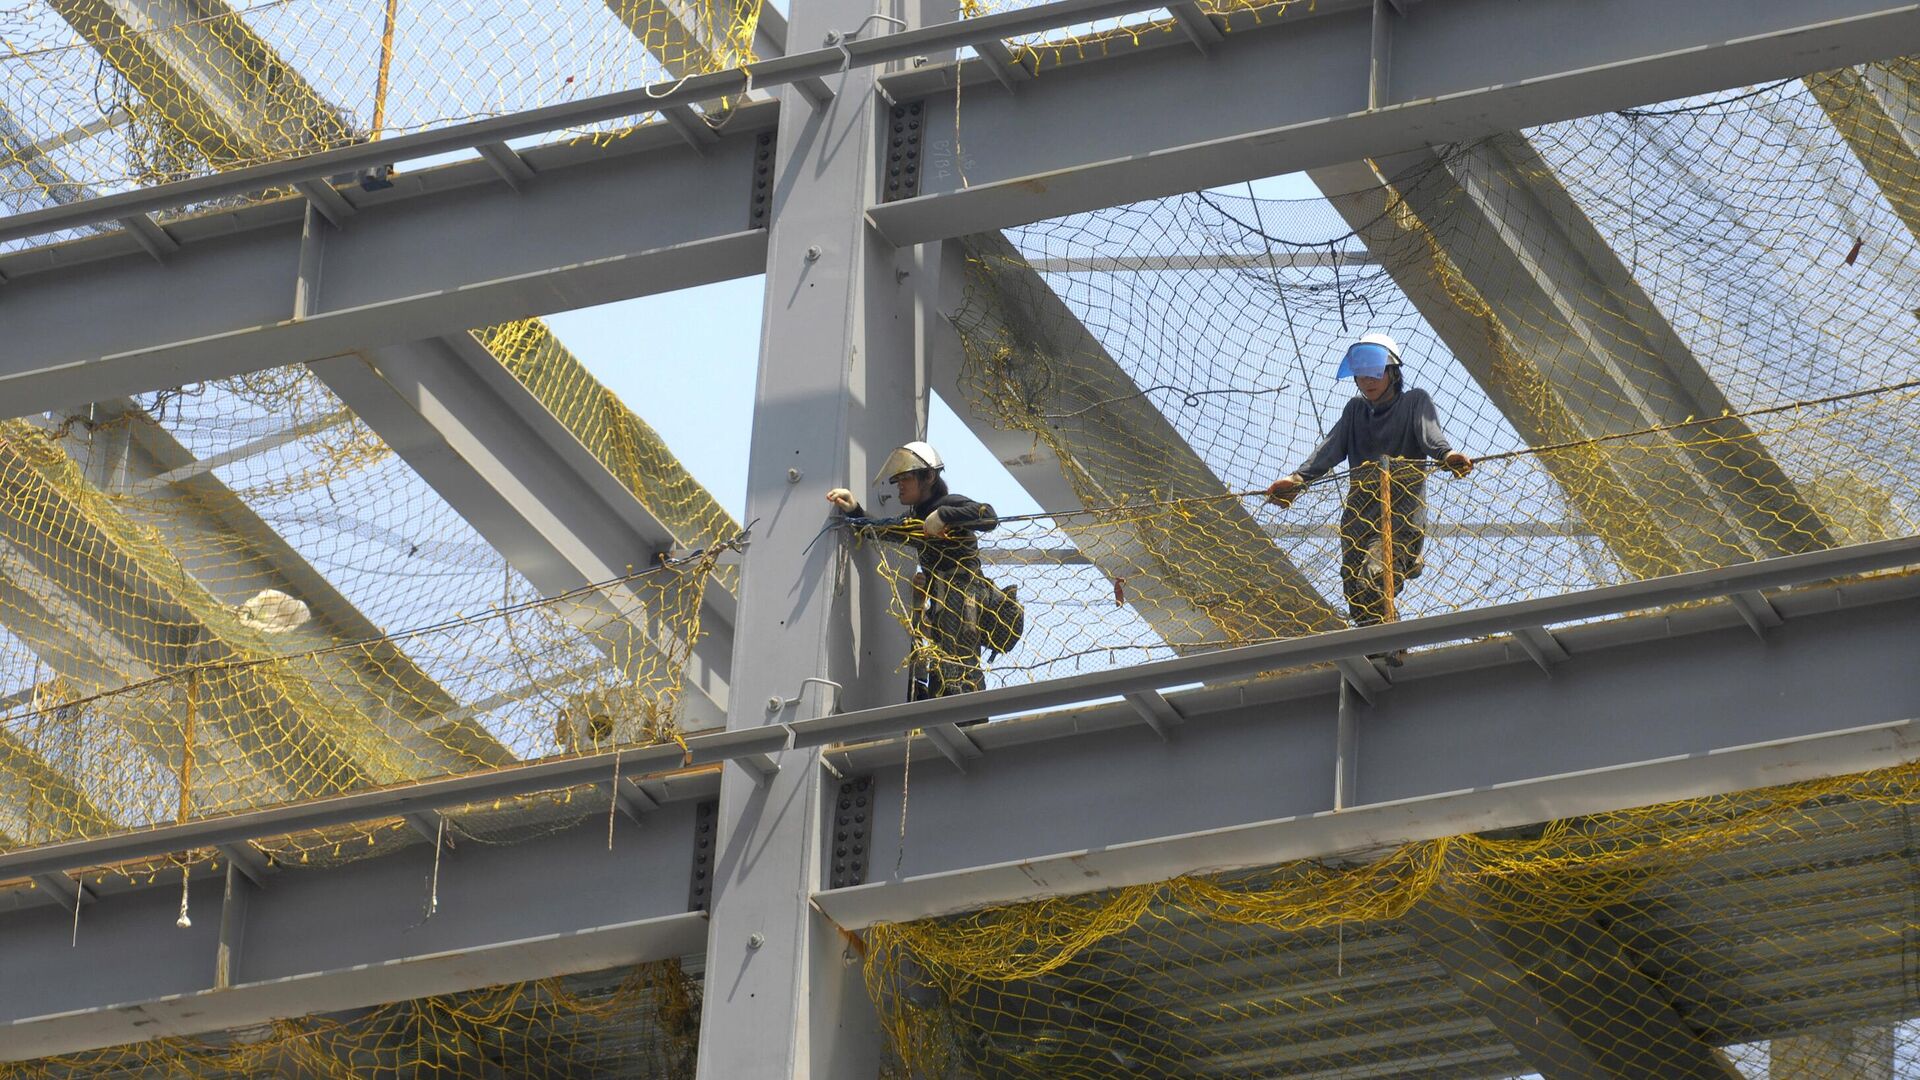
[(941, 528), (1385, 422)]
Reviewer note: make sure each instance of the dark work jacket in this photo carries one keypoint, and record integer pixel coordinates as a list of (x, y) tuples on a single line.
[(1408, 427), (940, 556)]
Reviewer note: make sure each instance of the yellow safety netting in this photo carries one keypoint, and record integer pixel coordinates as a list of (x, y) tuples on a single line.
[(618, 438), (109, 94), (1044, 49), (1769, 933), (156, 539), (1128, 582), (255, 603), (642, 1022), (1674, 339)]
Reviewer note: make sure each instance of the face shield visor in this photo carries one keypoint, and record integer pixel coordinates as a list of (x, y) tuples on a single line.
[(1365, 358), (902, 460)]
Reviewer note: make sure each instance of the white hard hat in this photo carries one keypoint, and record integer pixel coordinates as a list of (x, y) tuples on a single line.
[(1371, 355), (1384, 341), (910, 457)]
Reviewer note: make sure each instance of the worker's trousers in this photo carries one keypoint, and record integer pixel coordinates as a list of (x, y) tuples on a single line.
[(1364, 544), (947, 635)]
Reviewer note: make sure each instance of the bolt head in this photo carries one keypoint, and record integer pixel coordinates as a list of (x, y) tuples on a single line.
[(756, 939), (814, 253), (774, 704), (793, 476)]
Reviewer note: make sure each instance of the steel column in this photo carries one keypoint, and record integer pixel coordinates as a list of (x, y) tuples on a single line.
[(836, 391)]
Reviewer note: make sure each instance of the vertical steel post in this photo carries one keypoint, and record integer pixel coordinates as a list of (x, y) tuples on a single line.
[(186, 744), (1388, 612), (785, 995), (1346, 746), (1379, 56)]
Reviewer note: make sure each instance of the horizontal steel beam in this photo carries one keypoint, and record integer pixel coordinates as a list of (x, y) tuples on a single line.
[(1363, 641), (443, 249), (351, 935), (752, 748), (1231, 260), (1645, 710), (418, 797), (1141, 121), (819, 69), (1054, 805)]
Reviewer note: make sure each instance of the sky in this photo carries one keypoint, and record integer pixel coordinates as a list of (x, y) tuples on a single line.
[(686, 362)]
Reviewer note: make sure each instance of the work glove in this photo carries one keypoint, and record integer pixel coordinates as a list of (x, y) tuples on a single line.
[(1457, 463), (935, 525), (842, 500), (1285, 490)]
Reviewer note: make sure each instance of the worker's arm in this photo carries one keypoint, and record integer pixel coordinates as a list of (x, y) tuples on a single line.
[(843, 501), (1331, 451), (856, 516), (957, 513)]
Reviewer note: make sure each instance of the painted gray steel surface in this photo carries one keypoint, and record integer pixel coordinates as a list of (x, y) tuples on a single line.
[(783, 997)]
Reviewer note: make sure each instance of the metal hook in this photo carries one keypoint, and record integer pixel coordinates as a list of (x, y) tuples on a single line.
[(776, 704)]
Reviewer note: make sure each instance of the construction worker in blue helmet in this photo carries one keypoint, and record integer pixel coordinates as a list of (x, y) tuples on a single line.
[(1386, 435), (951, 592)]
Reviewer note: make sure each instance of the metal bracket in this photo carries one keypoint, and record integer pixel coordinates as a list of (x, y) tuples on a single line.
[(153, 239), (1199, 27), (954, 745), (1757, 611), (65, 891), (507, 163), (244, 858), (1539, 644), (904, 128), (761, 767), (1000, 60), (1365, 678), (691, 127), (327, 199), (852, 829), (1157, 711), (762, 182), (815, 90), (706, 827), (426, 823), (632, 799)]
